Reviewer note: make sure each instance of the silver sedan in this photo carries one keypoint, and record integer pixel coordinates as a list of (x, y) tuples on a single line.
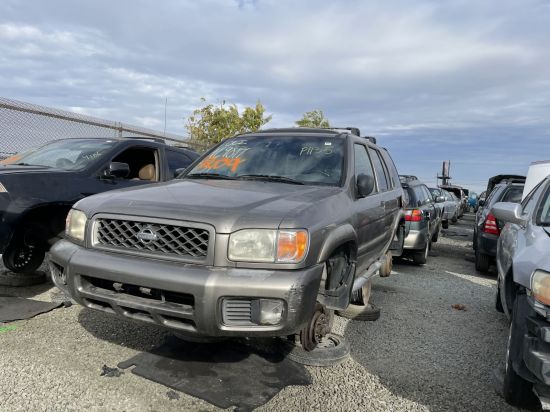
[(523, 262)]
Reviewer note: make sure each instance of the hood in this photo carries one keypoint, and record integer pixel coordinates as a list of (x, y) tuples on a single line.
[(227, 205), (35, 181), (12, 169)]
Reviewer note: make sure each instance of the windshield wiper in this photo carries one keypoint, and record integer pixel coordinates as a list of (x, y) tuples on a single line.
[(271, 178), (209, 176), (28, 164)]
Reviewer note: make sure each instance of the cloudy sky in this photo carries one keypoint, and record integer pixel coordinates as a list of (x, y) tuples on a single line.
[(460, 80)]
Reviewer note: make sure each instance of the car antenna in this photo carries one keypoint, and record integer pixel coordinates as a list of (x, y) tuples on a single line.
[(165, 104)]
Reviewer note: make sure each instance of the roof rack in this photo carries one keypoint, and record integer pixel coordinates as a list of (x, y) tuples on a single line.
[(297, 130), (154, 139), (335, 130)]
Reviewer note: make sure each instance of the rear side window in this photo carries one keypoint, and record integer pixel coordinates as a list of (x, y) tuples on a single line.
[(393, 173), (176, 160), (513, 194), (381, 174), (362, 161)]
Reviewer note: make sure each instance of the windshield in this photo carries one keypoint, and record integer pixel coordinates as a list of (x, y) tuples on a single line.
[(289, 159), (66, 154)]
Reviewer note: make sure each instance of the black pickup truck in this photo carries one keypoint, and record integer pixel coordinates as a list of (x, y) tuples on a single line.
[(39, 187)]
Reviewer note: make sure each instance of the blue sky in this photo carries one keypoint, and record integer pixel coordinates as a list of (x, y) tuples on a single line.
[(463, 80)]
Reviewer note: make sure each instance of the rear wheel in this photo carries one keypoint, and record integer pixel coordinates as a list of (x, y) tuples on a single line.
[(483, 261), (445, 224), (421, 257), (26, 251), (435, 236)]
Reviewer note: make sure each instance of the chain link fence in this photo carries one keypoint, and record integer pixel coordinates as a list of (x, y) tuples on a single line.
[(24, 126)]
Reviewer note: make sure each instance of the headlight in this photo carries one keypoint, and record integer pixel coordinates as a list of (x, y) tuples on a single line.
[(263, 245), (3, 188), (540, 286), (76, 225)]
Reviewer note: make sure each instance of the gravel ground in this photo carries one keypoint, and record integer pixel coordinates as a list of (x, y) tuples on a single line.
[(420, 355)]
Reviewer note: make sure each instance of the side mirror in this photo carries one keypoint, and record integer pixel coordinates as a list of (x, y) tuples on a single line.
[(365, 185), (509, 212), (481, 203), (118, 169), (439, 199), (179, 171)]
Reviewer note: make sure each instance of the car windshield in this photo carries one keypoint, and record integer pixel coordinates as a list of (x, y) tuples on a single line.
[(308, 160), (74, 154)]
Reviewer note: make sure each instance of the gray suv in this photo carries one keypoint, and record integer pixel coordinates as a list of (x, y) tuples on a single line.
[(264, 235)]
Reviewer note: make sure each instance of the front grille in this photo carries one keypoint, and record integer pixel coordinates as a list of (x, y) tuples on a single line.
[(155, 238)]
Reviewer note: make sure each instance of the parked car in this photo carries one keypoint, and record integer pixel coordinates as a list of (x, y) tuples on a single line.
[(265, 235), (487, 228), (523, 294), (39, 187), (460, 194), (447, 203), (423, 219), (495, 180)]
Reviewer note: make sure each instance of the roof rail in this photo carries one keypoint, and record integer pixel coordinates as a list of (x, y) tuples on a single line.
[(370, 139), (154, 139)]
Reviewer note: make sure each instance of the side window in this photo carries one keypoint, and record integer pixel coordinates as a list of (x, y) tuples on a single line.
[(393, 174), (142, 161), (381, 174), (543, 214), (427, 194), (176, 160), (530, 201), (362, 161)]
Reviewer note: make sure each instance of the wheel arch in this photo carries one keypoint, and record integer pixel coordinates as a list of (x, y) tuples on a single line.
[(48, 217)]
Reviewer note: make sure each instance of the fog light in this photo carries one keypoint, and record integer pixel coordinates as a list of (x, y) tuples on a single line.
[(271, 311)]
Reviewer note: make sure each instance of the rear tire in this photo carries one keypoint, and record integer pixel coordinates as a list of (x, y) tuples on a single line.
[(483, 262), (25, 253), (498, 302), (435, 236), (421, 257)]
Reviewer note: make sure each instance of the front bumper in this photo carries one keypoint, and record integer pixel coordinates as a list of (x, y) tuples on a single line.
[(190, 298)]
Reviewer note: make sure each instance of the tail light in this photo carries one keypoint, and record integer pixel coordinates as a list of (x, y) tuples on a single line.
[(491, 225), (414, 215)]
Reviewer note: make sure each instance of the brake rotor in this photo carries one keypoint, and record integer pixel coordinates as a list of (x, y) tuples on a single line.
[(317, 328)]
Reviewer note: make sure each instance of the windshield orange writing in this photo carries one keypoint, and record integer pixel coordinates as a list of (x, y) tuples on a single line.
[(215, 163)]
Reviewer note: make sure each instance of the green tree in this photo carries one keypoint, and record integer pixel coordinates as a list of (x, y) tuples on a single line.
[(315, 118), (210, 124)]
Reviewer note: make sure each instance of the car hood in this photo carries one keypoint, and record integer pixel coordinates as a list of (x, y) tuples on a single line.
[(35, 181), (227, 205), (11, 169)]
